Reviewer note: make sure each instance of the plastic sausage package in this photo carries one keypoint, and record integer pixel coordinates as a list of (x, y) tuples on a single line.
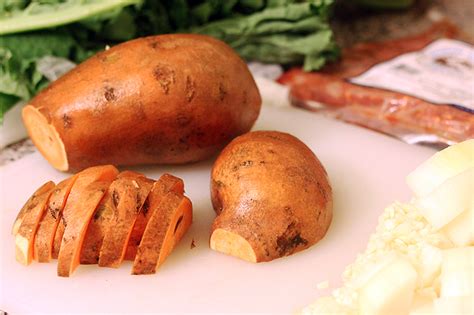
[(418, 89)]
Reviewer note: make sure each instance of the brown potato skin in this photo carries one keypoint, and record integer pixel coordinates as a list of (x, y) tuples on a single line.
[(167, 99), (271, 189)]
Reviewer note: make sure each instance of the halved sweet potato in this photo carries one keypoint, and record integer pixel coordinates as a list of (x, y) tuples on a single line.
[(49, 222), (165, 184), (84, 178), (85, 196), (130, 190), (272, 197), (30, 204), (172, 216), (24, 238)]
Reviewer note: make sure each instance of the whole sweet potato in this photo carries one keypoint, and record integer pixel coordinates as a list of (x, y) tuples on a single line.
[(163, 99)]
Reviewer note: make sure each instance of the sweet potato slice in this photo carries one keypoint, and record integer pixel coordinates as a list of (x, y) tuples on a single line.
[(76, 227), (86, 194), (170, 220), (49, 222), (165, 184), (84, 178), (58, 236), (130, 190), (101, 218), (24, 238), (30, 204)]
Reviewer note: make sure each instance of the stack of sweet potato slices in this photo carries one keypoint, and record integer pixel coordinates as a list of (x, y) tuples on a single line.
[(101, 216)]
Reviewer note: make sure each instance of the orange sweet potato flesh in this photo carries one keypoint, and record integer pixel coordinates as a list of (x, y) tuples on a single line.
[(165, 99), (131, 190), (28, 223), (123, 198), (30, 204), (50, 220), (171, 218), (165, 184), (86, 194)]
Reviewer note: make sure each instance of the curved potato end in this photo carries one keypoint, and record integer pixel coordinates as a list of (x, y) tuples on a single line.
[(232, 244), (45, 137)]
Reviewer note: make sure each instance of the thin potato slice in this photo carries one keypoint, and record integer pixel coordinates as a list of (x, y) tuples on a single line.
[(131, 190), (58, 236), (76, 226), (49, 222), (84, 178), (30, 204), (102, 217), (178, 224), (165, 184), (173, 213), (85, 195), (24, 238)]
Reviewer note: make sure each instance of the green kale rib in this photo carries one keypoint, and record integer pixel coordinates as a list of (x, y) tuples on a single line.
[(37, 15)]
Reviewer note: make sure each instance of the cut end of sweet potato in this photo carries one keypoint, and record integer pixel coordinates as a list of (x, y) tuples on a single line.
[(22, 252), (232, 244), (45, 137)]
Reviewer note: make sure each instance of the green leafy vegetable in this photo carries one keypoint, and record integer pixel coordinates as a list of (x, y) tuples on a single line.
[(287, 34), (19, 78)]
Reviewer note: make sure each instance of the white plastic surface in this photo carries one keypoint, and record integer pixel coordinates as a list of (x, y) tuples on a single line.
[(367, 171)]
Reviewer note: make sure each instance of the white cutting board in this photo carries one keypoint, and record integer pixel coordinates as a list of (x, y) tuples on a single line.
[(367, 171)]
